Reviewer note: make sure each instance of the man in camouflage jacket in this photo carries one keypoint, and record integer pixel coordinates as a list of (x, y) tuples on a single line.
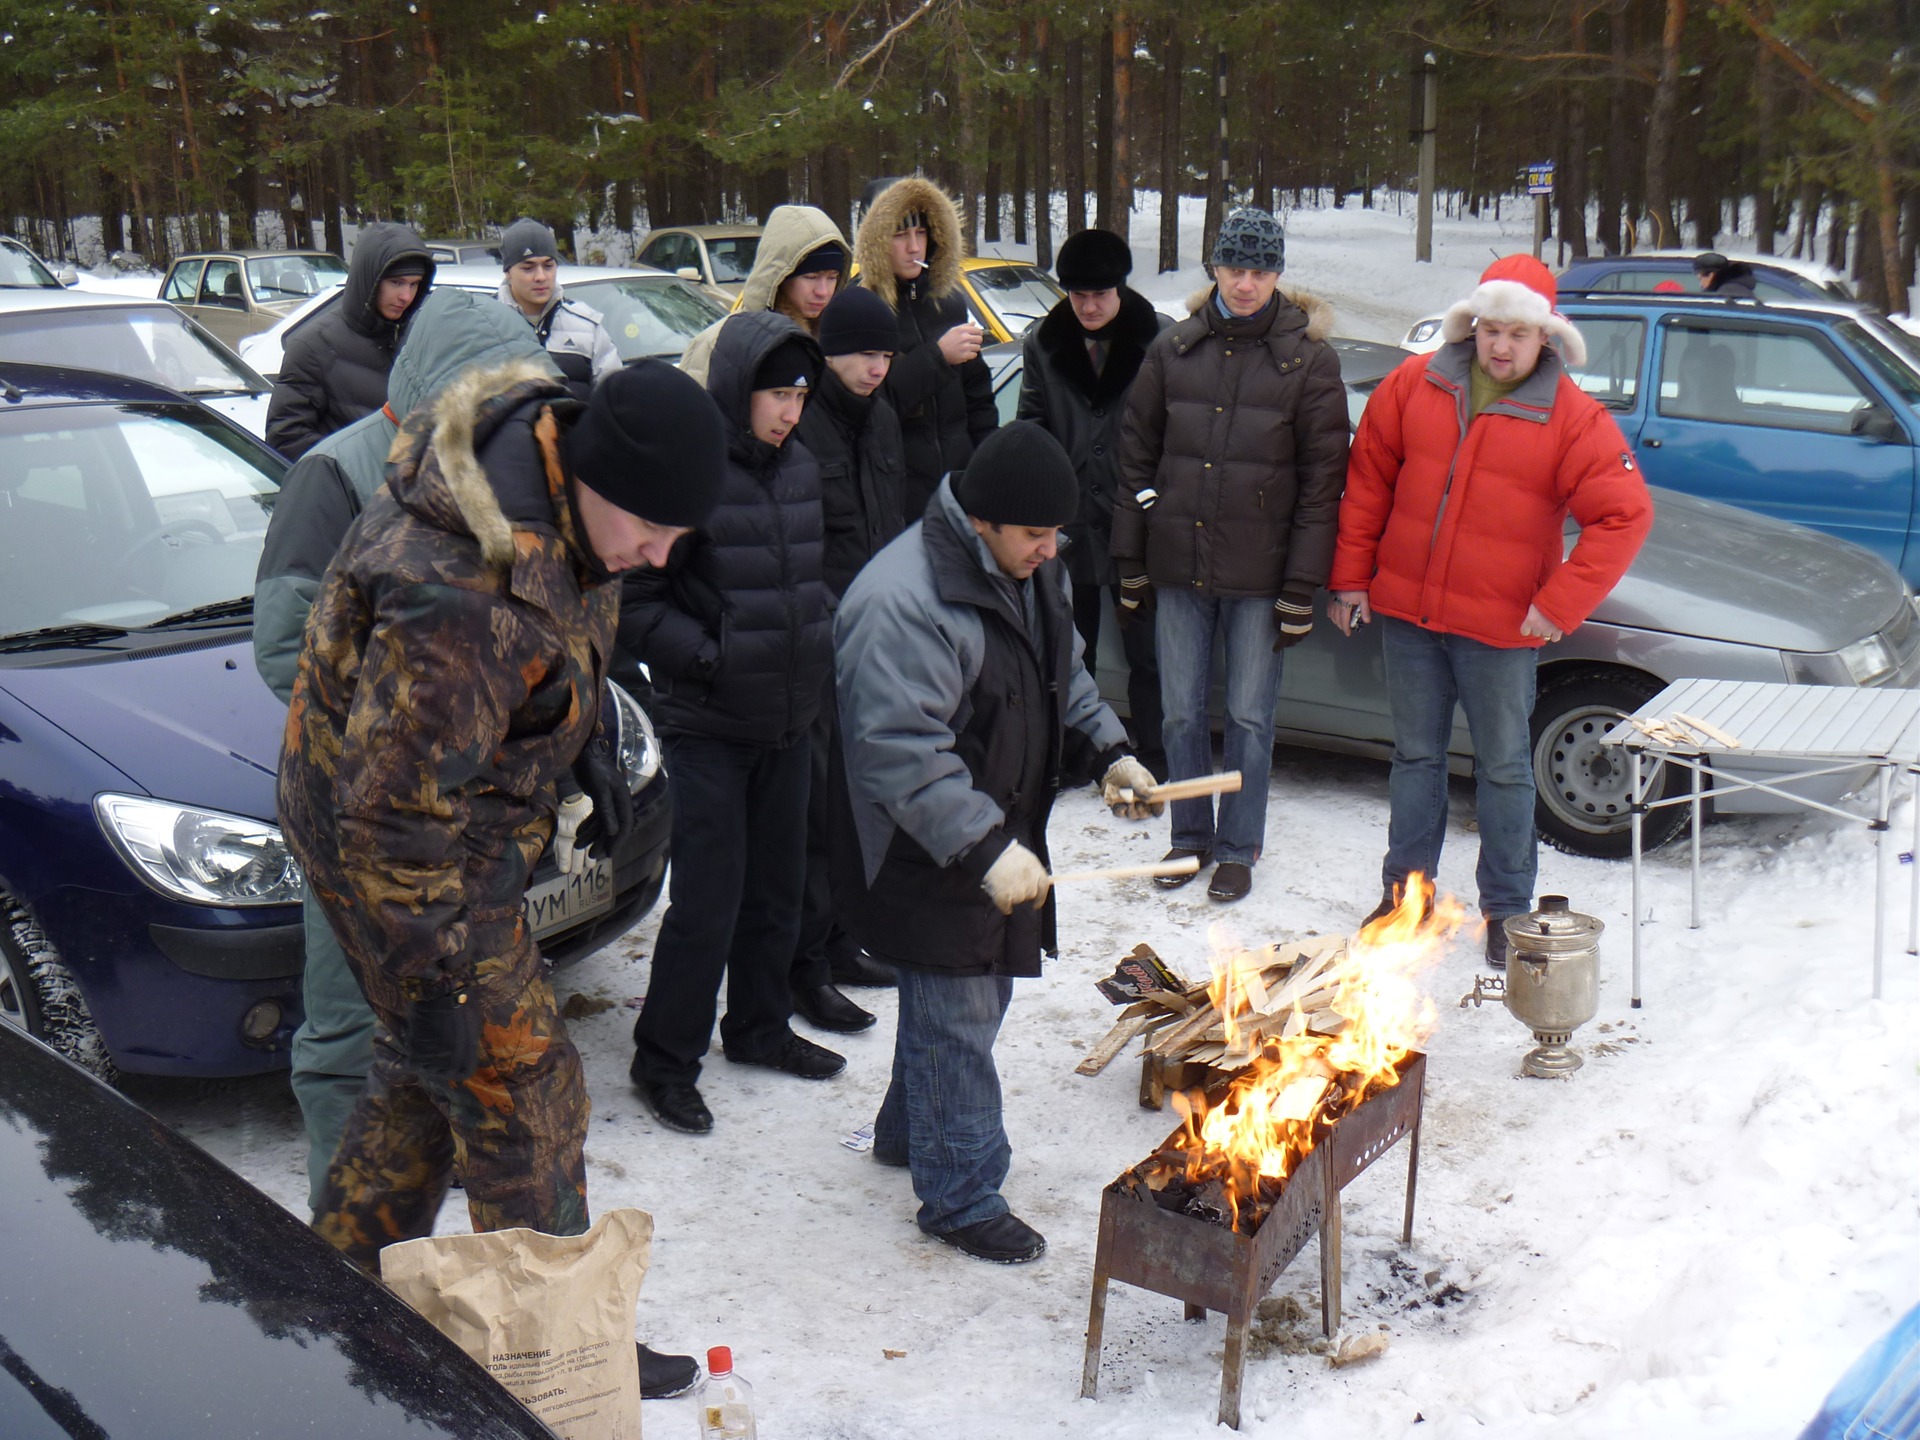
[(452, 669)]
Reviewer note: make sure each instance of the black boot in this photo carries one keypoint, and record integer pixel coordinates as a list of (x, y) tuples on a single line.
[(853, 966), (825, 1008), (664, 1376)]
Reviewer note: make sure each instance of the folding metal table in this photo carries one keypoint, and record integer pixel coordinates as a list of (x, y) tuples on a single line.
[(1818, 730)]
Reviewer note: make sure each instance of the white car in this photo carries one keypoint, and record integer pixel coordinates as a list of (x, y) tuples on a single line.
[(142, 339), (647, 312), (20, 268)]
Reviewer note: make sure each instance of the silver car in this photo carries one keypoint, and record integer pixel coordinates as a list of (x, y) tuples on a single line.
[(1715, 592)]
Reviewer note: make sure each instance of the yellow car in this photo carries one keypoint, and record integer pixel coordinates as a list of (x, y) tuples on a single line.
[(1005, 297)]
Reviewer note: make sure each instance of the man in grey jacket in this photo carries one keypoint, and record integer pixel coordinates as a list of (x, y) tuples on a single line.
[(574, 334), (964, 703)]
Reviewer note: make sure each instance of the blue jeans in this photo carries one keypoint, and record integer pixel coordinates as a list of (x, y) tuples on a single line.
[(1184, 635), (1427, 674), (942, 1110)]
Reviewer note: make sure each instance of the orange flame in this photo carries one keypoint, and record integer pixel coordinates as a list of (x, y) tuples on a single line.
[(1297, 1082)]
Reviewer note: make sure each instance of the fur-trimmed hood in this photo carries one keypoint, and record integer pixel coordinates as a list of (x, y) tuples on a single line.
[(434, 467), (946, 245), (1319, 312)]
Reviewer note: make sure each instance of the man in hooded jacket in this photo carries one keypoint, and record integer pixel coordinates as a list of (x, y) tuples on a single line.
[(335, 367), (799, 266), (909, 250)]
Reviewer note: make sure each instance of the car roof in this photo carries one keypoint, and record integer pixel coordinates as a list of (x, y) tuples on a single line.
[(994, 262), (64, 299), (705, 232), (1710, 304), (251, 255), (66, 385), (1806, 269)]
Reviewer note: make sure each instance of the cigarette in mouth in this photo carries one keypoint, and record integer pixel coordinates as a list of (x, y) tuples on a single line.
[(923, 264)]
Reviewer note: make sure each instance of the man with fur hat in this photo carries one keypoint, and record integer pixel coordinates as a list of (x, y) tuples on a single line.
[(1078, 365), (799, 266), (964, 702), (736, 637), (452, 670), (1232, 455), (1467, 463), (909, 250), (574, 334), (335, 369)]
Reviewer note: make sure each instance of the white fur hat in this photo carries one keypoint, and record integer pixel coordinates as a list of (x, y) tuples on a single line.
[(1520, 290)]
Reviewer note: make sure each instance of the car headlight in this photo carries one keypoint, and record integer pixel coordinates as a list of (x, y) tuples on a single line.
[(201, 855), (1865, 662), (639, 746), (1423, 332)]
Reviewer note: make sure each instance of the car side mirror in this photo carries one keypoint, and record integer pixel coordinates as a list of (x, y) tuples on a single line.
[(68, 276), (1875, 422), (687, 272)]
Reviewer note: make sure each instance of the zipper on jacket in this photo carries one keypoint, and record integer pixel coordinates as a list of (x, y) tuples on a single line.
[(1463, 420)]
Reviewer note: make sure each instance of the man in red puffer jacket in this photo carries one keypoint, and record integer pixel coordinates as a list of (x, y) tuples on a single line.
[(1459, 483)]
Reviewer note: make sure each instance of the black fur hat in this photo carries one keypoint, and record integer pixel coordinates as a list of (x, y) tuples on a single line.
[(1094, 260)]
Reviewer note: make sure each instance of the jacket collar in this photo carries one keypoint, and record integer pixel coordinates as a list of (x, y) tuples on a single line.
[(963, 569), (1451, 368), (1128, 335), (1299, 310)]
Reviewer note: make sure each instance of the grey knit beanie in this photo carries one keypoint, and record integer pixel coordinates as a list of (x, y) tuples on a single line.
[(1250, 239)]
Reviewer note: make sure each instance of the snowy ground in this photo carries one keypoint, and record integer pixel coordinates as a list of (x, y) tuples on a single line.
[(1691, 1237)]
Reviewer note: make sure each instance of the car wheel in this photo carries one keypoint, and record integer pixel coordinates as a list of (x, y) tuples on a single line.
[(1583, 803), (38, 993)]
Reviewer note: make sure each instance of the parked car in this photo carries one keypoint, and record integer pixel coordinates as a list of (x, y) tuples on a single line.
[(140, 339), (1715, 592), (647, 314), (235, 293), (149, 908), (464, 252), (717, 258), (1004, 297), (20, 268), (152, 1294)]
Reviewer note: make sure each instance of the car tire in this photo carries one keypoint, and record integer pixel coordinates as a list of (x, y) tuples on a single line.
[(1582, 801), (39, 994)]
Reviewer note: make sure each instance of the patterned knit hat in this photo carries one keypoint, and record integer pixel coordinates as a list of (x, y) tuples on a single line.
[(1250, 239), (1519, 290)]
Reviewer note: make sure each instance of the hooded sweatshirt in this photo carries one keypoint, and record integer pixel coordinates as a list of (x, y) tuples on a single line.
[(792, 233), (454, 331), (335, 367)]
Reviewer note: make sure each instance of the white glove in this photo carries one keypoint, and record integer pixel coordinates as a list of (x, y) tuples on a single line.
[(572, 859), (1016, 878), (1127, 773)]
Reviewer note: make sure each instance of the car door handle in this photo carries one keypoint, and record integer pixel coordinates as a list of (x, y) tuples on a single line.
[(1651, 444)]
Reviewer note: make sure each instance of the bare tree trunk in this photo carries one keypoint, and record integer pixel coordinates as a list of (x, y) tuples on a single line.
[(1073, 152), (1766, 109), (1121, 180), (1020, 144), (1909, 260), (1217, 171), (1574, 188), (1172, 179), (1660, 126), (1103, 140), (1045, 48)]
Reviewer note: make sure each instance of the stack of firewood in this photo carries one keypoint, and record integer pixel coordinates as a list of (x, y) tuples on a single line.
[(1285, 989)]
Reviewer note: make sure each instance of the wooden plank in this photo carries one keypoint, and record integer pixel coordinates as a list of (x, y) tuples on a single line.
[(1111, 1044)]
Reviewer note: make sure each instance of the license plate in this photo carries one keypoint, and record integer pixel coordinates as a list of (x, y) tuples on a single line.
[(566, 900)]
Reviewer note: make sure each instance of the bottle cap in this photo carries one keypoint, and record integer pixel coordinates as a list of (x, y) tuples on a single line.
[(720, 1360)]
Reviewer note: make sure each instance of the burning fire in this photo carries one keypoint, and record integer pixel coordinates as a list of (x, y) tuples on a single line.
[(1298, 1082)]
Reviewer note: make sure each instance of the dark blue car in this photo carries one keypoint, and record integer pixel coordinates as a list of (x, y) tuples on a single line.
[(149, 909)]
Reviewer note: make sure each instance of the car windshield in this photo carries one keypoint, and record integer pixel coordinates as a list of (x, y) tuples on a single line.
[(20, 271), (126, 515), (155, 343), (293, 277), (1893, 354), (648, 314), (1020, 295), (732, 257)]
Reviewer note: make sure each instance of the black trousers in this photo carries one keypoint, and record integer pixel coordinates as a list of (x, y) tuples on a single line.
[(739, 861), (812, 951), (1143, 671)]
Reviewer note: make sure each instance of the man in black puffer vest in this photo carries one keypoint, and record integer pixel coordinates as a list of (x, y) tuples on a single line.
[(1077, 366), (736, 636), (335, 368), (855, 436)]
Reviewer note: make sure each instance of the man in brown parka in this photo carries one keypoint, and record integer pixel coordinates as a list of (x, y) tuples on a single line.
[(453, 668)]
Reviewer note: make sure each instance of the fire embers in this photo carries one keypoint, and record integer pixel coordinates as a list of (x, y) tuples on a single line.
[(1235, 1148)]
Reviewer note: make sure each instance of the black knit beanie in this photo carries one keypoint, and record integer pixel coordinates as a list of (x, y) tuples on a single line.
[(1019, 476), (792, 364), (1094, 260), (856, 320), (830, 256), (651, 440), (526, 239)]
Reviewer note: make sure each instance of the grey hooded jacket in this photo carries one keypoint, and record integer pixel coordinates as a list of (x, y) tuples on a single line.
[(453, 331)]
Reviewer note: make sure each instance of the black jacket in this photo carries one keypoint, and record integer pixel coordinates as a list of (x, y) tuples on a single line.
[(335, 369), (734, 631), (945, 410), (856, 442), (1060, 392)]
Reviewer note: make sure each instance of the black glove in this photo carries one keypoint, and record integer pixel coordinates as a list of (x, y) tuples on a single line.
[(597, 772), (443, 1036), (1136, 595), (1292, 618)]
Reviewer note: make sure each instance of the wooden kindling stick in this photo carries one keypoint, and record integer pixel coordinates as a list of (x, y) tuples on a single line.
[(1186, 866), (1222, 784)]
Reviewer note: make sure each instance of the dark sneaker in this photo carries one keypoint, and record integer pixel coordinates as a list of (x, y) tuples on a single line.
[(664, 1376), (1231, 881), (889, 1159), (853, 966), (678, 1107), (825, 1008), (1174, 882), (797, 1056), (1388, 905), (1497, 942), (1005, 1240)]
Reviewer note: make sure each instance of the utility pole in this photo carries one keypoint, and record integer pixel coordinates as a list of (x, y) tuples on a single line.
[(1426, 122)]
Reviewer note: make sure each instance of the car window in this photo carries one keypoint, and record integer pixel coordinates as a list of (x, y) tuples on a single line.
[(155, 343), (1645, 279), (126, 514), (1021, 295), (1787, 379), (732, 257), (648, 314), (1890, 352), (183, 284), (292, 277), (222, 285), (19, 270), (1614, 347)]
